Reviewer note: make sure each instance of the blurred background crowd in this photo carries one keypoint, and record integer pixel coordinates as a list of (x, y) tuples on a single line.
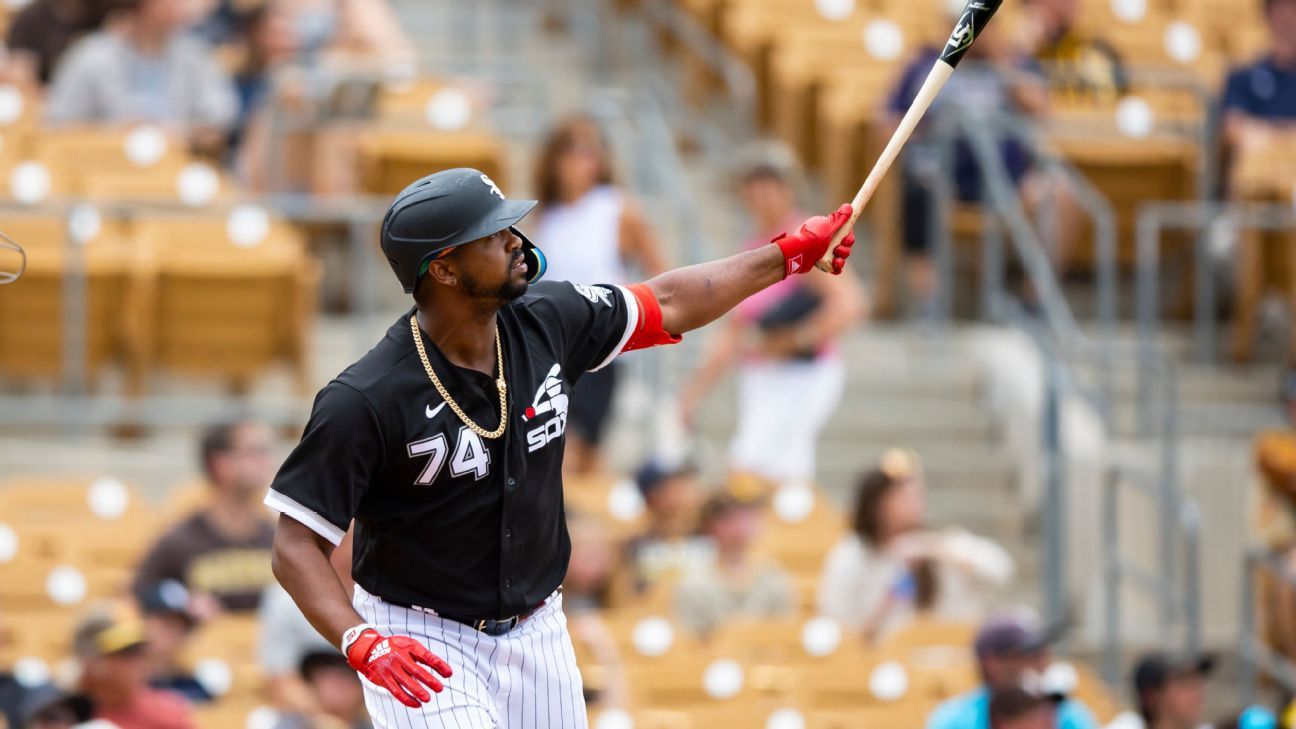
[(1004, 473)]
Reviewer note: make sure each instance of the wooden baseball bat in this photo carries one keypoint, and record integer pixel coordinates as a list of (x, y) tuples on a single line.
[(969, 27)]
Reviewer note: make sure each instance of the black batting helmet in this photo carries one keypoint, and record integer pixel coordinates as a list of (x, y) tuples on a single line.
[(448, 209)]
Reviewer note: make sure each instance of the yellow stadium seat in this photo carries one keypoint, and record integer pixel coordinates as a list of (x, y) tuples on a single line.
[(40, 500), (76, 153), (32, 316), (227, 310), (391, 160)]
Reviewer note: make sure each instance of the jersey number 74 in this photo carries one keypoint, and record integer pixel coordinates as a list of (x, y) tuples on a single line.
[(470, 456)]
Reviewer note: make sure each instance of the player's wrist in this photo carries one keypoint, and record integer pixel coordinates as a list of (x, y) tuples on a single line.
[(357, 642)]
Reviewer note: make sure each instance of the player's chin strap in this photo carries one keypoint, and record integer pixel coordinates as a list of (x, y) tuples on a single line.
[(648, 332), (7, 277)]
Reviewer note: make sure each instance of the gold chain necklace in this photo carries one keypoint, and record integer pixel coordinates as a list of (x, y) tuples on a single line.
[(499, 383)]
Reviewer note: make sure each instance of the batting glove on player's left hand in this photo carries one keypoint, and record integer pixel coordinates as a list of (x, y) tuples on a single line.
[(393, 663), (804, 248)]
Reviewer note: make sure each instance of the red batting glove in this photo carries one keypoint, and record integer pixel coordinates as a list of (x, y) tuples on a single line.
[(803, 249), (393, 663)]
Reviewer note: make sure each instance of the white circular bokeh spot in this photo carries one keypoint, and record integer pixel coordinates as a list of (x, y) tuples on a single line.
[(108, 498), (1129, 11), (145, 145), (888, 681), (65, 585), (786, 718), (653, 636), (448, 109), (1134, 117), (794, 502), (11, 104), (1059, 678), (197, 184), (883, 39), (624, 502), (723, 679), (84, 225), (248, 226), (214, 675), (262, 717), (31, 672), (821, 636), (8, 543), (835, 9), (614, 719), (1182, 42), (29, 182)]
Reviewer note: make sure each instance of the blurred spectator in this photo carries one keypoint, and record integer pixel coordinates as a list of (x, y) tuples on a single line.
[(269, 42), (1261, 97), (222, 551), (586, 593), (355, 28), (891, 567), (49, 708), (1017, 708), (143, 67), (1075, 64), (42, 31), (1273, 527), (286, 637), (1010, 654), (735, 583), (110, 646), (1170, 691), (783, 341), (668, 544), (995, 79), (168, 625), (336, 693), (590, 230)]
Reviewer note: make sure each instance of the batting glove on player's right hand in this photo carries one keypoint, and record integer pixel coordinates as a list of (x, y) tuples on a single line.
[(393, 663), (802, 249)]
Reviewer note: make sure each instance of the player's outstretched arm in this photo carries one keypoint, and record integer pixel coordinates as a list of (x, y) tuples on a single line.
[(300, 560), (695, 296)]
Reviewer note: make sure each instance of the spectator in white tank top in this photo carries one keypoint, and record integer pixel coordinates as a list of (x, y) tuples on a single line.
[(783, 342), (589, 230)]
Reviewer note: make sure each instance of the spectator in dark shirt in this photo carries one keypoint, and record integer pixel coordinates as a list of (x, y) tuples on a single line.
[(1261, 96), (996, 78), (42, 31), (338, 696), (47, 707), (168, 623), (223, 550)]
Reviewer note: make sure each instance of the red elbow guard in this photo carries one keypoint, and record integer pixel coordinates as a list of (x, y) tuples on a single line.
[(648, 332)]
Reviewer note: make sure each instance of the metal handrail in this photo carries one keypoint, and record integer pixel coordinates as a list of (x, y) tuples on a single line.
[(1176, 605), (1254, 654)]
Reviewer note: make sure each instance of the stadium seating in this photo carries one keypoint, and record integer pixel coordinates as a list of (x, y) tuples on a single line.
[(221, 305)]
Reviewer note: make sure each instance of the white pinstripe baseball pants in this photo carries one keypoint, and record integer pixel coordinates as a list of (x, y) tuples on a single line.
[(523, 679)]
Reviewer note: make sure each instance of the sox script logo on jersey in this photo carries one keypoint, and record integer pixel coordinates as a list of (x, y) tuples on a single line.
[(548, 398)]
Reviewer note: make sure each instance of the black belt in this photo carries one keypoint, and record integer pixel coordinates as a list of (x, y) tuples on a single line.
[(490, 626)]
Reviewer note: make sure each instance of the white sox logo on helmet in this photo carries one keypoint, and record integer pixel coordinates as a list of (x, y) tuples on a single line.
[(494, 188), (549, 398)]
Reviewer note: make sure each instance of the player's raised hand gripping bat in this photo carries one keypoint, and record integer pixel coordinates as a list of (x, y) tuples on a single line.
[(970, 23)]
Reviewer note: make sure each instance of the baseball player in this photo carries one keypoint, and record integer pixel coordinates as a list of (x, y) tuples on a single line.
[(444, 444)]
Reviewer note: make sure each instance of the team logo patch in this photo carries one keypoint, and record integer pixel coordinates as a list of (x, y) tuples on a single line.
[(596, 294), (549, 398), (493, 187)]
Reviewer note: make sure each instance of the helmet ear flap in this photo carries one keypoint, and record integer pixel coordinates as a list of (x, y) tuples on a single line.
[(536, 262)]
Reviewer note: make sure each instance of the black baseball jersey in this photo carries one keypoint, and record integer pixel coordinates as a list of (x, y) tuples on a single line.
[(446, 519)]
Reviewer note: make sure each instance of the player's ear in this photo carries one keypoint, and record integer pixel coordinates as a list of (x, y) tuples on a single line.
[(444, 271)]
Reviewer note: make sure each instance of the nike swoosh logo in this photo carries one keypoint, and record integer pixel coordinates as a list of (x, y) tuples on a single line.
[(432, 413)]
